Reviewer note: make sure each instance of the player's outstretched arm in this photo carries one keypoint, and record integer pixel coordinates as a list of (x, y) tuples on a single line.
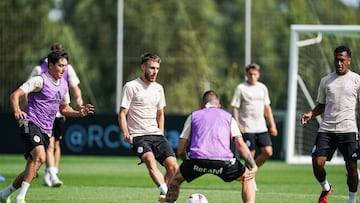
[(319, 109), (85, 110)]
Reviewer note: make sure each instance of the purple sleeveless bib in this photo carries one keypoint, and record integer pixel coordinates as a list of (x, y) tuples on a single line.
[(43, 105)]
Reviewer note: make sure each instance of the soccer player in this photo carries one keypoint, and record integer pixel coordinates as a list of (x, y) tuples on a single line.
[(338, 95), (47, 94), (207, 134), (251, 109), (141, 119), (53, 153)]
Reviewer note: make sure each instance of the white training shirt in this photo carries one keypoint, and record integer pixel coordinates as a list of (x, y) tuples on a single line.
[(142, 101), (251, 101), (35, 84), (340, 94)]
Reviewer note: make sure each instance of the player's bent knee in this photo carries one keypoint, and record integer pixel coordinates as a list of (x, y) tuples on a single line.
[(40, 160), (173, 168)]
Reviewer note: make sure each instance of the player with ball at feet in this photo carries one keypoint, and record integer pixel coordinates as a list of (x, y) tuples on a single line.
[(141, 120), (208, 132)]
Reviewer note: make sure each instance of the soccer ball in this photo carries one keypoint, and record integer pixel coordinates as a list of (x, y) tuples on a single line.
[(197, 198)]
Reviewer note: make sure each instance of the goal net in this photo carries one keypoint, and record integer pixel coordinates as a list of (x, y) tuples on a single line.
[(311, 58)]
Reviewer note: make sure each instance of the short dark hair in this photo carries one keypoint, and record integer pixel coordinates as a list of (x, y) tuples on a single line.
[(149, 57), (341, 49), (57, 46), (252, 66), (55, 56), (209, 96)]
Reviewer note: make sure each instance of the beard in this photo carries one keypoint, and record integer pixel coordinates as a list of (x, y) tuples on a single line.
[(150, 78)]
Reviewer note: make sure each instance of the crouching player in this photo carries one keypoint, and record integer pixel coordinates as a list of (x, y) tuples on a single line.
[(209, 132)]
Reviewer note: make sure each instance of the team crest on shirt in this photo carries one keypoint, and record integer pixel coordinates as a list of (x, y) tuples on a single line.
[(348, 86), (140, 150), (36, 138)]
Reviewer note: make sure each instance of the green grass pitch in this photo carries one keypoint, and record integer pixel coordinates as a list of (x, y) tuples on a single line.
[(90, 179)]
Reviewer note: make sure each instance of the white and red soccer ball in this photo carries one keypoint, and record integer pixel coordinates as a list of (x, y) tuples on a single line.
[(197, 198)]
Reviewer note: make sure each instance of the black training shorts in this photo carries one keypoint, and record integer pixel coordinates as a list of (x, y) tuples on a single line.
[(58, 128), (327, 143), (153, 143), (32, 137), (227, 170), (257, 139)]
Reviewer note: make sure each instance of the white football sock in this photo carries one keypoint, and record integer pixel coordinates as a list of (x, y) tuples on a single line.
[(53, 176), (352, 197), (325, 185), (24, 188), (163, 188)]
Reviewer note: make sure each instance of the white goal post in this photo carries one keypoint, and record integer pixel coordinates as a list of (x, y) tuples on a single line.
[(293, 153)]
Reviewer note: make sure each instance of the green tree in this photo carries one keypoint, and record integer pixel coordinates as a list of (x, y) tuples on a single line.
[(20, 39), (200, 42)]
